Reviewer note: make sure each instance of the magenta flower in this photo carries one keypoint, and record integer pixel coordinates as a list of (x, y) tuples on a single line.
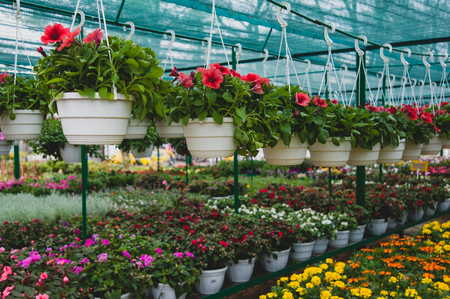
[(158, 250), (178, 254), (105, 242), (102, 257), (189, 254), (89, 242), (146, 259), (125, 253), (77, 269)]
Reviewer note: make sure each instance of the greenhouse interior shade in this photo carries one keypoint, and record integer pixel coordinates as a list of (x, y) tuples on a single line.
[(420, 25)]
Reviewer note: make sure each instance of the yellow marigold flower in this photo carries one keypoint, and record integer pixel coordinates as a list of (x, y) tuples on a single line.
[(393, 294), (447, 279), (381, 297), (332, 276), (445, 225), (284, 290), (329, 261), (446, 247), (393, 279), (427, 280), (312, 271), (283, 279), (301, 291), (263, 297), (295, 277), (446, 235), (336, 297), (288, 295), (441, 286), (355, 291), (410, 292), (339, 284), (323, 266), (384, 293), (426, 231), (272, 295), (325, 295), (365, 293), (316, 280), (339, 270), (293, 284), (309, 285), (340, 264)]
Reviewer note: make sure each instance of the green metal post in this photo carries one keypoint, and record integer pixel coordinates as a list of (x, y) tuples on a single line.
[(187, 176), (383, 99), (330, 186), (158, 158), (361, 101), (84, 181), (16, 162), (235, 160), (442, 152)]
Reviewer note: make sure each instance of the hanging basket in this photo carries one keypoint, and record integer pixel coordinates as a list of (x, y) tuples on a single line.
[(433, 147), (70, 153), (136, 128), (330, 155), (412, 151), (281, 154), (98, 121), (391, 154), (5, 147), (208, 139), (145, 154), (175, 130), (445, 143), (364, 157), (26, 126)]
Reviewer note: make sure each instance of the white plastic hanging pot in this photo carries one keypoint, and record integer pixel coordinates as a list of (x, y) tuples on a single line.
[(443, 206), (302, 251), (175, 130), (330, 155), (364, 157), (240, 272), (341, 240), (98, 121), (70, 153), (5, 147), (445, 143), (165, 291), (211, 281), (137, 129), (208, 139), (429, 211), (26, 126), (145, 154), (357, 234), (412, 151), (391, 154), (433, 147), (417, 215), (281, 154), (377, 227), (271, 264), (321, 245)]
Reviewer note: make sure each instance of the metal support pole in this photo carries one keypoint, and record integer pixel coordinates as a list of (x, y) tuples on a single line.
[(158, 158), (235, 160), (84, 181), (361, 102), (16, 161), (383, 99), (442, 152)]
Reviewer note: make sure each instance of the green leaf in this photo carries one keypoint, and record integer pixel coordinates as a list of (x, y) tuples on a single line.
[(56, 80), (126, 46), (335, 141), (132, 62), (159, 109), (321, 137), (240, 113), (87, 54), (103, 92), (353, 141), (228, 97), (90, 92), (212, 97), (286, 129), (203, 115), (218, 118), (115, 78), (186, 120)]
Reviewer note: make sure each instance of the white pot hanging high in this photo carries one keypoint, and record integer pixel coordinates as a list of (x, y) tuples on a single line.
[(144, 154), (364, 157), (281, 154), (70, 153), (330, 155), (94, 121), (5, 147), (208, 139), (433, 147), (136, 128), (391, 154), (445, 143), (412, 151), (175, 130), (26, 126)]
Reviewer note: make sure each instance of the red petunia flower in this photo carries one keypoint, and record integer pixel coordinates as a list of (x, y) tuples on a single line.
[(212, 78), (185, 81), (436, 128), (302, 99), (69, 40), (174, 73), (201, 69), (265, 80), (235, 74), (54, 34), (319, 102), (419, 202), (95, 36), (251, 77), (256, 88), (224, 244), (3, 76), (444, 103), (41, 51), (225, 71), (334, 102), (280, 234), (427, 117), (192, 75)]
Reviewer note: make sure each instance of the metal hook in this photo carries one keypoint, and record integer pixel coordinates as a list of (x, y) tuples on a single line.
[(393, 79), (424, 59), (209, 43), (381, 75), (172, 40), (345, 67), (309, 65), (385, 59), (282, 22), (357, 48), (16, 6), (327, 38), (415, 83), (129, 36), (239, 52), (442, 59), (266, 55), (402, 57)]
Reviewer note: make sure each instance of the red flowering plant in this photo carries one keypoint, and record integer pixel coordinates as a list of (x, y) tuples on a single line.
[(391, 124), (441, 119), (219, 92), (419, 126), (90, 66), (384, 203)]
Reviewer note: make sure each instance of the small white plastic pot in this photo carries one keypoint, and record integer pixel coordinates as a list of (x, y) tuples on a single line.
[(281, 154), (330, 155)]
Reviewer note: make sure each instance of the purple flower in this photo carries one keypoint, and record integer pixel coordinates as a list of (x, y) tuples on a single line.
[(178, 254), (105, 242), (189, 254), (133, 235), (102, 257), (139, 264), (120, 236), (77, 269), (49, 249), (158, 250), (84, 261), (89, 242), (125, 253)]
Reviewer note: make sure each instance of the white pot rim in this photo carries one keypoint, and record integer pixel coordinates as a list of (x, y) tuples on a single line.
[(339, 138), (215, 271), (24, 111), (76, 96), (343, 231), (379, 219), (305, 243), (210, 120)]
